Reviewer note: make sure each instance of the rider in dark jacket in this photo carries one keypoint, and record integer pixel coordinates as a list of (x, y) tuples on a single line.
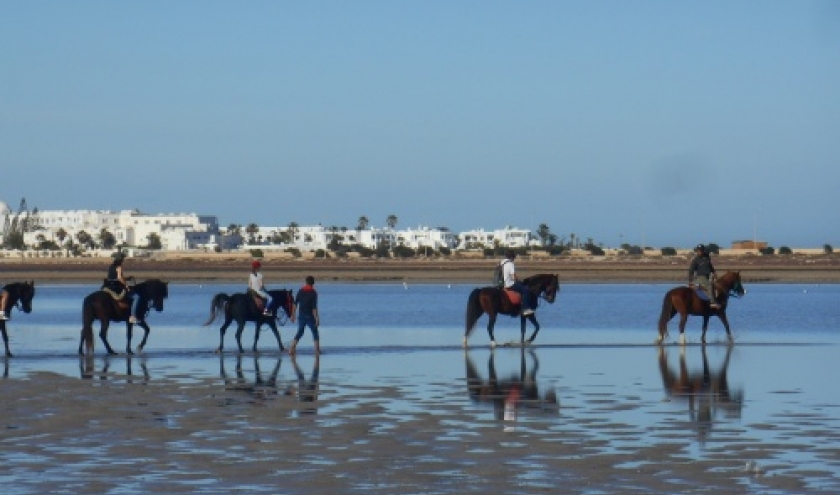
[(702, 271)]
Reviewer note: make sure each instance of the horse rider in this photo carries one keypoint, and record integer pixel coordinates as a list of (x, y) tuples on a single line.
[(702, 271), (257, 288), (117, 283), (4, 297), (512, 282)]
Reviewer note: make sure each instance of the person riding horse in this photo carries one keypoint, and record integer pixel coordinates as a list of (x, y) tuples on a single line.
[(4, 296), (512, 282), (256, 288), (702, 270), (117, 284)]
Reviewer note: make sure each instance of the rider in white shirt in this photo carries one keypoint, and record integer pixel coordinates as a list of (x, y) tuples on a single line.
[(512, 282), (255, 283)]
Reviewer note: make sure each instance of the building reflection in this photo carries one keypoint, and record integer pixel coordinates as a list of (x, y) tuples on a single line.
[(513, 394), (706, 391)]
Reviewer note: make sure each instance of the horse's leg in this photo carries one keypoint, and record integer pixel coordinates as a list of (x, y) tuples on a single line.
[(723, 319), (683, 321), (240, 327), (129, 333), (705, 327), (146, 329), (222, 331), (533, 319), (5, 338), (103, 335), (276, 331), (256, 334), (490, 324), (522, 323)]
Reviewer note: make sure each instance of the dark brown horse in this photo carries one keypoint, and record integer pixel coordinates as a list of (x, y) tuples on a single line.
[(102, 306), (494, 301), (686, 301), (241, 307), (20, 296)]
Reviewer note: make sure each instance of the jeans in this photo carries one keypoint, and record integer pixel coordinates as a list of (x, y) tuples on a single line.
[(303, 322)]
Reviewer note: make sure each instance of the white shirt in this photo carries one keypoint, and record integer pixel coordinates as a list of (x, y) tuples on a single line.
[(255, 282), (508, 273)]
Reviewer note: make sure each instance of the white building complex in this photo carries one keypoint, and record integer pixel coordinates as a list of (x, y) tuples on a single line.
[(87, 229)]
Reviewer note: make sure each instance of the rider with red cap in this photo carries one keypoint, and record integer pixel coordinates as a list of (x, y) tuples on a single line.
[(255, 285)]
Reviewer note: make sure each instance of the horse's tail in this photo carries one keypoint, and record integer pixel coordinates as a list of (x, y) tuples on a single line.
[(87, 325), (474, 312), (666, 315), (217, 304)]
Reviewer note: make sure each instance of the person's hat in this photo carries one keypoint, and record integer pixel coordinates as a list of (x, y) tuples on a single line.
[(255, 264), (700, 247)]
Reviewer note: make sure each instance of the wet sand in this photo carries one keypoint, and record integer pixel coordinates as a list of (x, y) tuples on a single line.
[(123, 429), (228, 268)]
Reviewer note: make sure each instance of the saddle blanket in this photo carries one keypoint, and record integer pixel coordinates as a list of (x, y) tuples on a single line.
[(513, 296)]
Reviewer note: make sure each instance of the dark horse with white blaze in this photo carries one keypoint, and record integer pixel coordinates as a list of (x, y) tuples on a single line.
[(241, 307), (20, 296), (686, 301), (102, 306), (495, 301)]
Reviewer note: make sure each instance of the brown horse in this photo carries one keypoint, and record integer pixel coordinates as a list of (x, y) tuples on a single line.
[(100, 305), (20, 295), (686, 301), (494, 301)]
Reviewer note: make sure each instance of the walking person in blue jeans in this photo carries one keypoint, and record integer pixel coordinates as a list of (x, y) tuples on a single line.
[(306, 304)]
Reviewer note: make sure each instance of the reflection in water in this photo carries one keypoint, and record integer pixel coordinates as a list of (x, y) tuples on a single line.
[(707, 392), (262, 387), (513, 394), (306, 390), (87, 367)]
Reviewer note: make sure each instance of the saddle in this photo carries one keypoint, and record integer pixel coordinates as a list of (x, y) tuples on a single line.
[(259, 302), (109, 288), (514, 297)]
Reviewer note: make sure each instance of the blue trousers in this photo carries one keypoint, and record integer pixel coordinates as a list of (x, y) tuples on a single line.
[(525, 292), (303, 322)]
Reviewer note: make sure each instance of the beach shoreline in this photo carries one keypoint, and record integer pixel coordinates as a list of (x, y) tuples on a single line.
[(224, 268)]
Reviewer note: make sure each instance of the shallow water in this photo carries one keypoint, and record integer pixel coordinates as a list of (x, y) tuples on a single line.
[(594, 407)]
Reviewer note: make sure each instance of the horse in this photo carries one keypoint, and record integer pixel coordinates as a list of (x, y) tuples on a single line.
[(102, 306), (241, 307), (20, 296), (686, 301), (494, 301)]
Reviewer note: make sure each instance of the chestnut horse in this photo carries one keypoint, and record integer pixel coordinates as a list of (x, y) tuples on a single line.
[(20, 295), (685, 301), (494, 301)]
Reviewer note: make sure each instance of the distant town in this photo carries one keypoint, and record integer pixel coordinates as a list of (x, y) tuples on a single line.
[(100, 232)]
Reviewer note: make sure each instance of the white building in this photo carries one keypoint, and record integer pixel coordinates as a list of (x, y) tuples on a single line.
[(507, 237), (424, 237)]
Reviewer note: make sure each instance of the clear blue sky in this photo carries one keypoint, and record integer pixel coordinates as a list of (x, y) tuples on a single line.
[(657, 122)]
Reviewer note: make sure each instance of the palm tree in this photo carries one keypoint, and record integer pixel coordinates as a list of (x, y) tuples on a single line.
[(61, 234), (252, 229), (391, 221), (363, 223), (84, 238), (543, 232)]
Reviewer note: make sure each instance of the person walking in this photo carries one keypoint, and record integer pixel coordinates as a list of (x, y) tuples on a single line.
[(702, 271), (511, 281), (306, 304)]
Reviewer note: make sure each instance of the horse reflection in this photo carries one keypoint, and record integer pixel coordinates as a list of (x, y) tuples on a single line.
[(306, 390), (707, 391), (87, 368), (512, 394), (262, 387)]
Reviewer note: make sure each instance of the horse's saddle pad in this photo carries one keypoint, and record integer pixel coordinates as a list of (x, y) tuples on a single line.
[(513, 296)]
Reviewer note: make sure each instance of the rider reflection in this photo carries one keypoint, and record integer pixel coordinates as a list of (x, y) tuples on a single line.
[(707, 391), (262, 387), (509, 396)]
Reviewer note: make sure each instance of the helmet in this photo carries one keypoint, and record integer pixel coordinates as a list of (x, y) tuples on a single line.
[(255, 264), (700, 248)]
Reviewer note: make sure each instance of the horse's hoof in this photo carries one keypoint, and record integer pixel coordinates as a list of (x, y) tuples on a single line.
[(492, 344), (218, 350)]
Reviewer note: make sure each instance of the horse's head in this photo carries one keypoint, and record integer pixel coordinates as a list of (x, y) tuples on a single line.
[(731, 284), (155, 291), (284, 300), (21, 293), (546, 285)]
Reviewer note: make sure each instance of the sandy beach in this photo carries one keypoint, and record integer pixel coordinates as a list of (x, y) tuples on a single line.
[(202, 268)]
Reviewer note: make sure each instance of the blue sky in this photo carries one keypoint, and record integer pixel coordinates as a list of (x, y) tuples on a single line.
[(656, 122)]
